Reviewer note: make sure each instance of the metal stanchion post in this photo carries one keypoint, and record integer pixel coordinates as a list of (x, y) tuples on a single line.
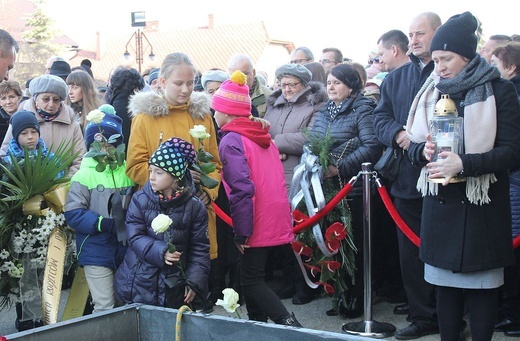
[(368, 327)]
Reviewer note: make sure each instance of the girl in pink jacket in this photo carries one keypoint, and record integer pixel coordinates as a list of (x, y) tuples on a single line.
[(254, 180)]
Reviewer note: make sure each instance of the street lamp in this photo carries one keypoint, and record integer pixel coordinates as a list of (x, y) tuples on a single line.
[(138, 20)]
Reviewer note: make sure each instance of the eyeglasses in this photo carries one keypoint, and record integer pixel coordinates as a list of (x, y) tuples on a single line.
[(290, 85), (48, 99), (298, 61), (328, 61), (373, 60)]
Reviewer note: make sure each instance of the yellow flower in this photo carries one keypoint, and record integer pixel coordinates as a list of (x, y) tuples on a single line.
[(95, 116), (161, 223), (230, 301), (199, 132)]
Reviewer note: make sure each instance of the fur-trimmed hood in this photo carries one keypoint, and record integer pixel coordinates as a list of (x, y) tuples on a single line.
[(154, 104), (314, 92)]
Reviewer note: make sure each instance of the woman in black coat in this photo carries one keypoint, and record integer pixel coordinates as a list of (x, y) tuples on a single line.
[(348, 118), (466, 226)]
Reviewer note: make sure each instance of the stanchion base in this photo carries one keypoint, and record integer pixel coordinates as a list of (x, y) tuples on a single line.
[(369, 328)]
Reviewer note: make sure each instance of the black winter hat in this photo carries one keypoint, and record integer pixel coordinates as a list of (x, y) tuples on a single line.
[(457, 35), (22, 120), (60, 68)]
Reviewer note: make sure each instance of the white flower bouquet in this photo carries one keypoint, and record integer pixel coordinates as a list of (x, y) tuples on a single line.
[(25, 221)]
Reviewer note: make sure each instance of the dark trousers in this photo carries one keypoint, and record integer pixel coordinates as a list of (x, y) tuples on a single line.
[(420, 294), (386, 271), (356, 211), (224, 269), (385, 258), (483, 310), (283, 257), (261, 301), (510, 291)]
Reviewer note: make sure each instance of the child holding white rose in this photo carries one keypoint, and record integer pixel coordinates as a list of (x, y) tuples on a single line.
[(94, 207), (167, 262), (174, 112)]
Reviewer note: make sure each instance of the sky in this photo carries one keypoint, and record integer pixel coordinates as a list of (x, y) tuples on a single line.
[(353, 27)]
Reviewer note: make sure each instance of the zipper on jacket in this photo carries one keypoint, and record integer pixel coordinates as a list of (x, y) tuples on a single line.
[(81, 246)]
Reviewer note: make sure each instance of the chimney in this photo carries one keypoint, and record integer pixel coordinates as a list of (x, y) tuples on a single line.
[(210, 21)]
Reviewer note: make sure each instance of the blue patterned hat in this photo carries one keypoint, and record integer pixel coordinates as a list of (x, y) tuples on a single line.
[(174, 156)]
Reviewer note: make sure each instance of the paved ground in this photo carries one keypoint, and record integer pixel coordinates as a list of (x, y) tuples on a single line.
[(311, 315)]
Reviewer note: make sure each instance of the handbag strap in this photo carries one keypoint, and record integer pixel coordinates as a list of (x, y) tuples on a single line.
[(349, 142)]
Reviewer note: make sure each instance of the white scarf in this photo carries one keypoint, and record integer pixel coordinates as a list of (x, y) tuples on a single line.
[(480, 125)]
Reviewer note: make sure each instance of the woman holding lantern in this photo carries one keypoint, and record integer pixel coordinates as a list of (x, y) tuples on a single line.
[(466, 225)]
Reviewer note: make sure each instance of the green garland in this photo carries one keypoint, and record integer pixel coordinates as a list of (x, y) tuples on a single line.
[(320, 146)]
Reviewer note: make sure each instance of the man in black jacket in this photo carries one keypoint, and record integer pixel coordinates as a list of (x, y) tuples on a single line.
[(397, 93), (8, 50)]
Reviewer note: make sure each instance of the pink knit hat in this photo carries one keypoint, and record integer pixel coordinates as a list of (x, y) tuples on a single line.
[(232, 98)]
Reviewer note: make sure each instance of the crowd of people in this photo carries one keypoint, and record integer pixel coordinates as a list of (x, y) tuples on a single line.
[(169, 247)]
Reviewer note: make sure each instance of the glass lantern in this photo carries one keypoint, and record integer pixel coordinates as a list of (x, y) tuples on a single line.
[(446, 129)]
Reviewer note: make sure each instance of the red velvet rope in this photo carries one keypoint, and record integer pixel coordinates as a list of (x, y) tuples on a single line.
[(323, 212), (402, 225), (397, 218), (222, 215), (307, 223), (341, 194)]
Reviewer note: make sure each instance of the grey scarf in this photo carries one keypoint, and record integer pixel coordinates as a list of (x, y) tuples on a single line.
[(479, 119)]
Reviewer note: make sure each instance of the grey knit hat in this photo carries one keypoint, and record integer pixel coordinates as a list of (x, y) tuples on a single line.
[(295, 70), (49, 83)]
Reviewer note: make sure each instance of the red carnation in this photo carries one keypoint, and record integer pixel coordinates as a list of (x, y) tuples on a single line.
[(299, 217), (331, 265), (301, 249), (333, 245), (336, 231), (314, 269)]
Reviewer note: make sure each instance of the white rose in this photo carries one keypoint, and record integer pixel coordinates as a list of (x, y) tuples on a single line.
[(161, 223), (199, 132), (95, 116), (230, 301)]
